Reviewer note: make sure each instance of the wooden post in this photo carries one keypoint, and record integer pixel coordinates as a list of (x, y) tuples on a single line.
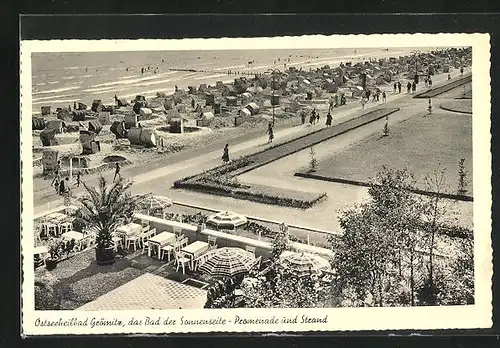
[(70, 169)]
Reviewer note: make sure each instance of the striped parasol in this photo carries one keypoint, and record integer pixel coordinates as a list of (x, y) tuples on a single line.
[(227, 262), (304, 264)]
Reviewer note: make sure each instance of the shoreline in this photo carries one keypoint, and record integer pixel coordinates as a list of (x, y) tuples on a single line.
[(169, 86)]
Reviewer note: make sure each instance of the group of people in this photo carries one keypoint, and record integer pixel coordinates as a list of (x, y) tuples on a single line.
[(63, 187)]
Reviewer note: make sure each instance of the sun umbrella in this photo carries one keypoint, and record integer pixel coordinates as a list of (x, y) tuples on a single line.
[(155, 203), (304, 263), (226, 219), (227, 262)]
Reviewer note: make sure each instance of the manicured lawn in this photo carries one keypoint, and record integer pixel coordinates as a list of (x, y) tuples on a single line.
[(460, 105), (420, 144)]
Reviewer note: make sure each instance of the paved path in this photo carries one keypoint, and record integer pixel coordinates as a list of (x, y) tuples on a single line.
[(159, 180), (148, 292)]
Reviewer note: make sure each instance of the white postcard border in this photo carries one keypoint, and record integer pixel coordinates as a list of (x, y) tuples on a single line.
[(416, 318)]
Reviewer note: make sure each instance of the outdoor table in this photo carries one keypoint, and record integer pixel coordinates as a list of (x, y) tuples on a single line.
[(77, 236), (194, 250), (40, 250), (130, 229), (57, 218), (159, 241)]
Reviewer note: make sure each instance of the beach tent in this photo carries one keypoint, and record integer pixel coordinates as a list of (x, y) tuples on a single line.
[(79, 115), (246, 95), (145, 113), (81, 106), (231, 101), (95, 126), (103, 117), (244, 112), (45, 110), (229, 90), (209, 99), (139, 105), (131, 121), (142, 136), (47, 136), (96, 105), (57, 125), (206, 119), (38, 123), (118, 129), (253, 108), (64, 115)]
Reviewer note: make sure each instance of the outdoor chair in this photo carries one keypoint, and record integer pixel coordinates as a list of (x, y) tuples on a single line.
[(145, 237), (145, 228), (65, 227), (200, 260), (212, 242), (250, 249), (183, 242), (177, 231), (133, 240), (49, 228), (117, 240), (166, 249), (182, 260), (256, 264)]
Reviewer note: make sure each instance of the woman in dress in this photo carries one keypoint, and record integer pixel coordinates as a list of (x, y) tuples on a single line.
[(328, 119), (270, 132), (225, 155)]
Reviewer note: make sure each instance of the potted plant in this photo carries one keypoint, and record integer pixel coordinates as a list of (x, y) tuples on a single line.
[(55, 249), (103, 209)]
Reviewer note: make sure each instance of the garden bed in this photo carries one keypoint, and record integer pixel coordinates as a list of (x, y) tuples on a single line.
[(421, 144), (461, 106), (434, 92), (222, 180)]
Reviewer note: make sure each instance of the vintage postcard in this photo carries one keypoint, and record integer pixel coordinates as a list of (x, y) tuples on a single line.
[(282, 184)]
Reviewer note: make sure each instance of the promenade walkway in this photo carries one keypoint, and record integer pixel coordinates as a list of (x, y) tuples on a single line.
[(158, 177)]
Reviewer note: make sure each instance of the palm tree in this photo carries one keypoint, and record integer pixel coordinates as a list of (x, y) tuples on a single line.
[(103, 209)]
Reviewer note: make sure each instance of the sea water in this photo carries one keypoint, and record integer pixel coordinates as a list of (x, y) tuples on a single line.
[(60, 79)]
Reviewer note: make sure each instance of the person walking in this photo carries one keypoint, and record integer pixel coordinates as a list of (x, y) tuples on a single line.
[(55, 182), (413, 87), (399, 87), (117, 172), (430, 82), (62, 187), (449, 77), (329, 119), (312, 118), (303, 117), (384, 97), (461, 70), (363, 101), (395, 87), (270, 132), (225, 154), (317, 116), (78, 178), (67, 192), (408, 87)]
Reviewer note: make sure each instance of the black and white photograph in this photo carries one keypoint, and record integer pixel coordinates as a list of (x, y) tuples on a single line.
[(286, 184)]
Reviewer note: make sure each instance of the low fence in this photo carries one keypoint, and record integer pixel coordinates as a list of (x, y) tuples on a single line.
[(194, 233)]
